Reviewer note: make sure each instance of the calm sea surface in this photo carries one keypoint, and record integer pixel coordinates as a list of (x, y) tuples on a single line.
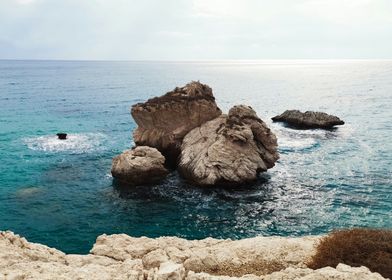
[(61, 193)]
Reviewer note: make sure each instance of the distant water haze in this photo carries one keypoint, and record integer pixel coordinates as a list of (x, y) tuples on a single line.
[(61, 193)]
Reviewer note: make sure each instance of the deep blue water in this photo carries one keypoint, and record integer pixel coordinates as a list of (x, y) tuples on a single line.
[(61, 193)]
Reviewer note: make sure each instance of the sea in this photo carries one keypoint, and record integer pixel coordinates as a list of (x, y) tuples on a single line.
[(61, 193)]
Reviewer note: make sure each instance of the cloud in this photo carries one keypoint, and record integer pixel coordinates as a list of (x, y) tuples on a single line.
[(348, 12), (25, 2), (195, 29), (220, 8)]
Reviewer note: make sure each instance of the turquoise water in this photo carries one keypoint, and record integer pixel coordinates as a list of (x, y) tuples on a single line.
[(61, 193)]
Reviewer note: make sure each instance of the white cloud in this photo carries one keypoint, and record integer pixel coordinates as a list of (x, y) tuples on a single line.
[(348, 12), (253, 10), (195, 29), (220, 8), (25, 2)]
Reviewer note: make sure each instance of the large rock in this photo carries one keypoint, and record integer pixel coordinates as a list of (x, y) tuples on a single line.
[(139, 166), (309, 119), (229, 150), (164, 121), (258, 255)]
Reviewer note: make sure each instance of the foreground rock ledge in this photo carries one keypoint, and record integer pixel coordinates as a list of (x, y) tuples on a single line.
[(164, 121), (139, 166), (229, 150), (309, 119), (124, 257)]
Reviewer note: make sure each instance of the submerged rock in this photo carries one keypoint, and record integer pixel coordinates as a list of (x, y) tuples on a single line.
[(309, 119), (164, 121), (28, 192), (229, 150), (139, 166)]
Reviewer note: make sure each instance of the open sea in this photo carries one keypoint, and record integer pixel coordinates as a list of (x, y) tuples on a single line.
[(60, 193)]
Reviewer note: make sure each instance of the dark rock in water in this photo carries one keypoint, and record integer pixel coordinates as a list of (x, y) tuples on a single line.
[(230, 150), (309, 119), (139, 166), (164, 121), (62, 136)]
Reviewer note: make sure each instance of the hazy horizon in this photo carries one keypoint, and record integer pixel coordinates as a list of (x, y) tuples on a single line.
[(195, 30), (315, 60)]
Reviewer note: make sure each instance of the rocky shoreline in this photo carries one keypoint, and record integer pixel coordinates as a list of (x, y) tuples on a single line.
[(120, 256), (185, 130)]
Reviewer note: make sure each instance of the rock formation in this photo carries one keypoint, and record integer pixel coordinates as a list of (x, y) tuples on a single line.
[(139, 166), (309, 119), (164, 121), (229, 150), (171, 258), (62, 136)]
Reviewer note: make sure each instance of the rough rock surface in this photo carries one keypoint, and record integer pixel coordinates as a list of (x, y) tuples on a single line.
[(341, 272), (259, 255), (123, 257), (229, 150), (164, 121), (138, 166), (309, 119)]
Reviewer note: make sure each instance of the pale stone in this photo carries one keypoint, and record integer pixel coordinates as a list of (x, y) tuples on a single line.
[(139, 166), (164, 121), (229, 150), (155, 258), (341, 272), (123, 257), (171, 271)]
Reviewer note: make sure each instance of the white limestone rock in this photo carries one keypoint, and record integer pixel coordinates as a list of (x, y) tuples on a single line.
[(170, 258)]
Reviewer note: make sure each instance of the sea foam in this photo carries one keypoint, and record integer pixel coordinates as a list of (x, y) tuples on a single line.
[(75, 143)]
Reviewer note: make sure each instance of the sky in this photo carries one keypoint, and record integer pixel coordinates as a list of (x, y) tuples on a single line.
[(195, 29)]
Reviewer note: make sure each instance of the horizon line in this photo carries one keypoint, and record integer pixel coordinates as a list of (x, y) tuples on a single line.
[(203, 60)]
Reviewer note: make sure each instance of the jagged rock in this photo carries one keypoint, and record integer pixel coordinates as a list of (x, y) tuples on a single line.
[(171, 271), (119, 256), (309, 119), (341, 272), (155, 258), (229, 150), (139, 166), (259, 255), (164, 121), (20, 259)]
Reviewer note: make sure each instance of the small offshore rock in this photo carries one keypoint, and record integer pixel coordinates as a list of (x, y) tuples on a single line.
[(62, 136), (309, 119), (229, 150), (139, 166), (164, 121)]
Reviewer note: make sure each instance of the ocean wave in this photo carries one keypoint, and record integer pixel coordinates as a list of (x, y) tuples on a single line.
[(296, 144), (75, 143), (298, 140)]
